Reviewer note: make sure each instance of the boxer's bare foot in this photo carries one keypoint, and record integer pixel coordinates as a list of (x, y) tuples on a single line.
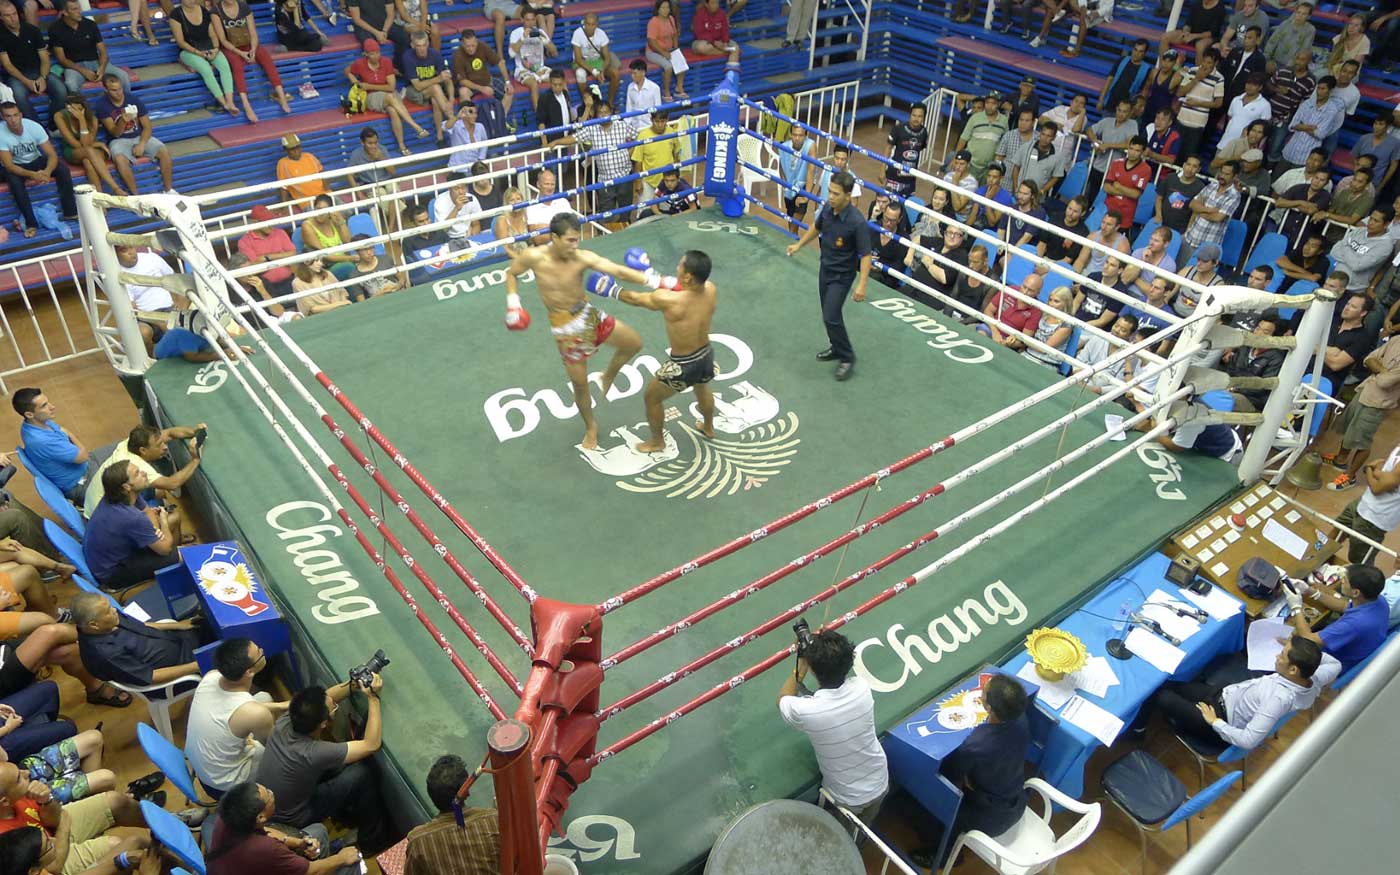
[(707, 430), (590, 438), (655, 445)]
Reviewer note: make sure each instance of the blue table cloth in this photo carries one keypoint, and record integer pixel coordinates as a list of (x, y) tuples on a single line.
[(1068, 747)]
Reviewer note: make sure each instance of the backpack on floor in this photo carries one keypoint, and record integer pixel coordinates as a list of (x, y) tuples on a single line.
[(492, 116)]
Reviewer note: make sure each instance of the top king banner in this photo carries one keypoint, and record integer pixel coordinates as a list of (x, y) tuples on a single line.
[(721, 163)]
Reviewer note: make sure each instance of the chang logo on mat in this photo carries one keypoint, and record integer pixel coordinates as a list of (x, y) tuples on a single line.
[(944, 635), (752, 442), (207, 379), (447, 289), (727, 227), (1166, 471), (303, 526), (962, 350)]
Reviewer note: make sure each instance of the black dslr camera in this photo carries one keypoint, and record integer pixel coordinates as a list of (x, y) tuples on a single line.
[(537, 34), (804, 635), (363, 674)]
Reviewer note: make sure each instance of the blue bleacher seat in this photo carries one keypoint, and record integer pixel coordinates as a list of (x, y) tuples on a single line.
[(1020, 267), (169, 759), (1146, 205), (1299, 287), (911, 212), (53, 496), (1232, 247), (1266, 251), (363, 223), (1071, 347), (1073, 183), (174, 836)]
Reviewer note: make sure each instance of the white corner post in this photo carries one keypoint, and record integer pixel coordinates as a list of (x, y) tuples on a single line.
[(122, 339), (1312, 332)]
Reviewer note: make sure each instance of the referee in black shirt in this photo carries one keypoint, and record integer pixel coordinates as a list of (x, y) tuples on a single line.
[(846, 255)]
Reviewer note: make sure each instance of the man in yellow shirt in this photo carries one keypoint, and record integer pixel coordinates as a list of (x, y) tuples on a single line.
[(299, 164), (651, 154)]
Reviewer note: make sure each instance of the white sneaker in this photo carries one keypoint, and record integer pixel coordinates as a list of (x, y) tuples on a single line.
[(1058, 16), (1037, 42), (171, 191)]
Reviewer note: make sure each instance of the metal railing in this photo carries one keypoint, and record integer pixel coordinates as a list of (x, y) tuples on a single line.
[(855, 824), (37, 318)]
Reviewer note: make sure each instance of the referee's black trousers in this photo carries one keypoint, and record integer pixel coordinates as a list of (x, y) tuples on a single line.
[(834, 287)]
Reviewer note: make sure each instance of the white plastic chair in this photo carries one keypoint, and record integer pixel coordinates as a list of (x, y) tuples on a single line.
[(1031, 845), (159, 707), (751, 151)]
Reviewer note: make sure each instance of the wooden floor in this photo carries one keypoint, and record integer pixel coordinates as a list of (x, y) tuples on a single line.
[(92, 403)]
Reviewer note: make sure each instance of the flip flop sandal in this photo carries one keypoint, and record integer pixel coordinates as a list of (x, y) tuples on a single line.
[(109, 696)]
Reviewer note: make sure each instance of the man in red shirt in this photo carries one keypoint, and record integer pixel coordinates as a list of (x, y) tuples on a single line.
[(1126, 179), (243, 842), (1012, 312), (266, 244), (711, 28), (78, 830), (375, 74)]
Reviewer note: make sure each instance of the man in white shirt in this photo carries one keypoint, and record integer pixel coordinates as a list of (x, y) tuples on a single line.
[(457, 204), (1244, 713), (144, 298), (644, 94), (529, 46), (228, 724), (538, 215), (593, 60), (839, 719)]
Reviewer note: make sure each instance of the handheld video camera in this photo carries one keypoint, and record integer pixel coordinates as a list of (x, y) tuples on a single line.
[(363, 674)]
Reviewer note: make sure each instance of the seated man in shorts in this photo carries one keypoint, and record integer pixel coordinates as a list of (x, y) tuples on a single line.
[(129, 138), (128, 542), (75, 835), (478, 69), (375, 74), (594, 61), (429, 80), (529, 46)]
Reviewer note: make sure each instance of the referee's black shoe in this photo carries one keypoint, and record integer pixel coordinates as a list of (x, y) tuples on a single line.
[(826, 355), (843, 371)]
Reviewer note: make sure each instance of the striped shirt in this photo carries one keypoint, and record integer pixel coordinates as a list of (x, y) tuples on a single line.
[(1328, 118), (1009, 149), (1210, 88), (1287, 92), (841, 726), (440, 847), (1202, 230), (615, 162)]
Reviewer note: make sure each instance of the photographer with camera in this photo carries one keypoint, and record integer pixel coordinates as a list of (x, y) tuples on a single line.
[(839, 719), (313, 779)]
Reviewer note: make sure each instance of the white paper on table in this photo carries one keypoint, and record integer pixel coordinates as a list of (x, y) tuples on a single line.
[(678, 62), (1232, 536), (1218, 603), (1293, 516), (1218, 523), (1250, 500), (1237, 507), (1219, 569), (1284, 539), (1262, 642), (1261, 490), (1277, 503), (1265, 512), (1053, 693), (1095, 677), (1218, 545), (1189, 541), (1113, 424), (136, 612), (1205, 555), (1203, 532), (1092, 719), (1171, 622), (1162, 655), (1252, 522)]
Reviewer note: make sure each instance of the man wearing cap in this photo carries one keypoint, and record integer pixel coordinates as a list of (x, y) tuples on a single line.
[(1108, 135), (960, 175), (295, 165), (1211, 211), (475, 66), (907, 143), (982, 134), (375, 74), (261, 245), (1026, 98)]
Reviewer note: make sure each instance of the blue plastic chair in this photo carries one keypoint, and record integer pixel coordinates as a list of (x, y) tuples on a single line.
[(1232, 247), (1071, 346), (991, 252), (53, 496), (170, 760), (909, 210), (363, 223), (1154, 799), (1020, 267), (151, 600), (1073, 183), (1267, 251), (296, 237), (1218, 399), (1051, 282), (1205, 752), (174, 836), (69, 547), (1146, 205), (1299, 287), (1324, 385)]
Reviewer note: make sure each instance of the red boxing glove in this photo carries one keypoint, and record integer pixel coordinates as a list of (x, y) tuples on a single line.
[(517, 317)]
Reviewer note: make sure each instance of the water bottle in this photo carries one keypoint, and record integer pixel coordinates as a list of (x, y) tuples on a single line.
[(65, 230)]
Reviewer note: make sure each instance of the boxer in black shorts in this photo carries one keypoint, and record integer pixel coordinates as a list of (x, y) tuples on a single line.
[(683, 371), (688, 311)]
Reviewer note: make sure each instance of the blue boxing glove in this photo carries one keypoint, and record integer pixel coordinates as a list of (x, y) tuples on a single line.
[(602, 285), (637, 259)]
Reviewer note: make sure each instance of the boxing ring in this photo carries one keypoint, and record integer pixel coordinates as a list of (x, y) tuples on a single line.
[(625, 606)]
